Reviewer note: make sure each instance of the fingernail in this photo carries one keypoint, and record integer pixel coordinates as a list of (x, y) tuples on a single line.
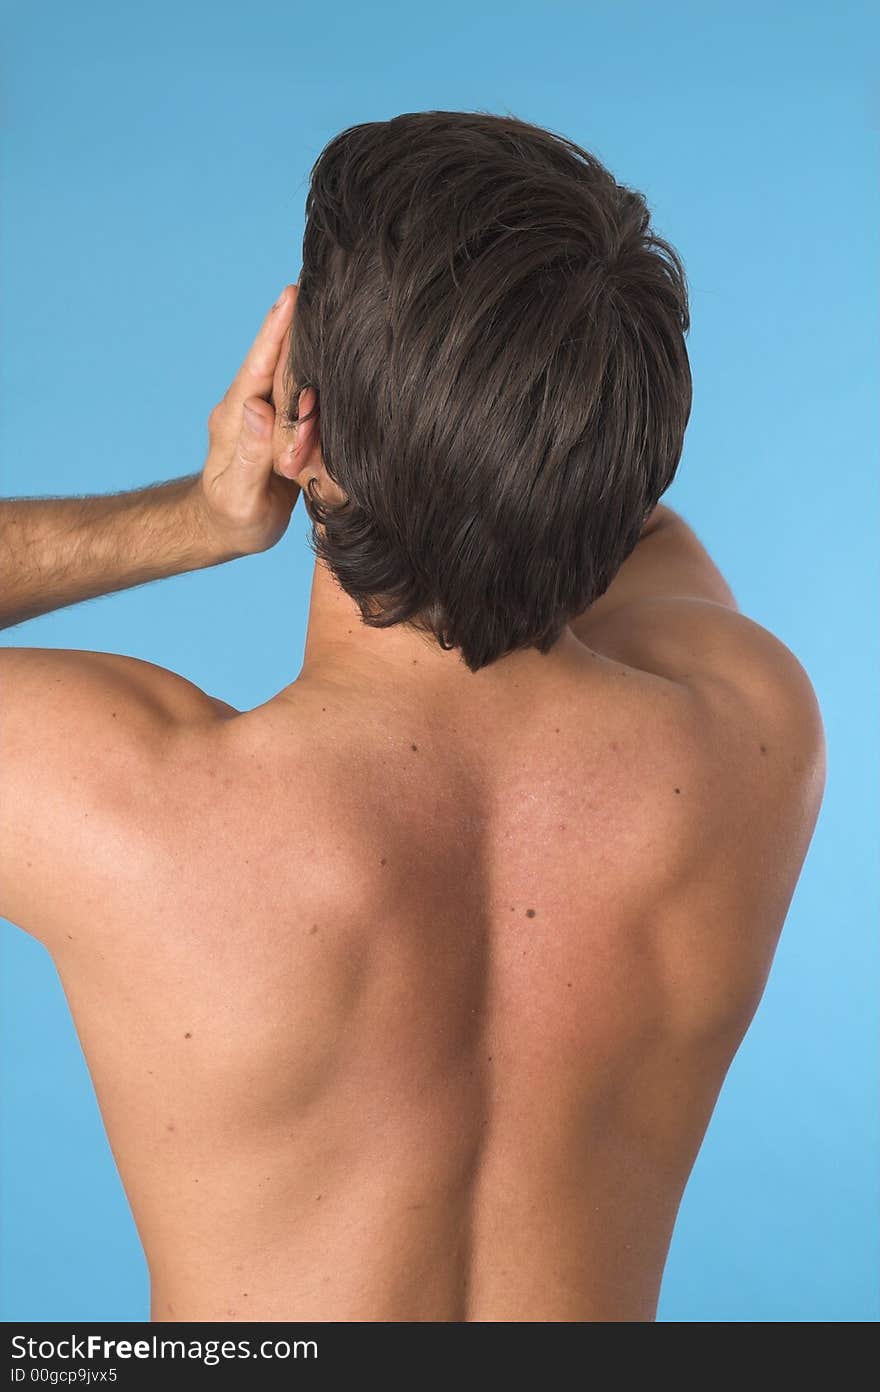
[(280, 301)]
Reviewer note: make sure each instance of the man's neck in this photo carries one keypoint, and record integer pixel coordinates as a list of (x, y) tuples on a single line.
[(342, 649)]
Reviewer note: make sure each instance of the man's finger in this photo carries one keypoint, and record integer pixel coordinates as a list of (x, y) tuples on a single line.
[(254, 377), (255, 440)]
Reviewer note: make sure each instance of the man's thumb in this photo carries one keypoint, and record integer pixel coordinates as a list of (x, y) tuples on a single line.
[(256, 422)]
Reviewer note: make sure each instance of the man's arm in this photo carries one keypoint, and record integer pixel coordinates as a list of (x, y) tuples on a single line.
[(58, 551), (79, 729), (669, 560)]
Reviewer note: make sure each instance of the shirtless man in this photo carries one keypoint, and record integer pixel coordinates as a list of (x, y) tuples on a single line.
[(408, 994)]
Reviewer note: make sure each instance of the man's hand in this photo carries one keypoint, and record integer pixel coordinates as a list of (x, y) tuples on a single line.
[(245, 504), (60, 551)]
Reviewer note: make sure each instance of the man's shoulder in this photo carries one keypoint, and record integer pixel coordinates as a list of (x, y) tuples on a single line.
[(88, 681), (731, 677), (759, 709), (740, 772), (731, 727), (78, 727)]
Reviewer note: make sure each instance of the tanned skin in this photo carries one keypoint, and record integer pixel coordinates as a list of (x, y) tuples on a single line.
[(408, 994)]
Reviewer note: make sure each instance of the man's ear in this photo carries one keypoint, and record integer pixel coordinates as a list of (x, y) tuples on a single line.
[(301, 461), (296, 456)]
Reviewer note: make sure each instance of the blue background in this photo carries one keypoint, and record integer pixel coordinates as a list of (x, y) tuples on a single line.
[(154, 178)]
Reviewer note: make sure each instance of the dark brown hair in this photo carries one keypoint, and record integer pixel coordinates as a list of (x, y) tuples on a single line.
[(496, 338)]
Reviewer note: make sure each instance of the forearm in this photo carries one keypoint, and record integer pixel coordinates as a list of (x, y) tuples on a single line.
[(59, 551)]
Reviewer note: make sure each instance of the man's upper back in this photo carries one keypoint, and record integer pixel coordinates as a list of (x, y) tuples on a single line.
[(405, 1011)]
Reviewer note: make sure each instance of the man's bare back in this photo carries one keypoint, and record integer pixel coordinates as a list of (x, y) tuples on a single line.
[(407, 995), (409, 998)]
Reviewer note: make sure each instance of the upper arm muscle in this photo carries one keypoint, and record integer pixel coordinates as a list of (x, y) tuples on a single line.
[(73, 726)]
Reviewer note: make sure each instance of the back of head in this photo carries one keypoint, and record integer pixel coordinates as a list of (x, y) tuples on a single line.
[(496, 339)]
